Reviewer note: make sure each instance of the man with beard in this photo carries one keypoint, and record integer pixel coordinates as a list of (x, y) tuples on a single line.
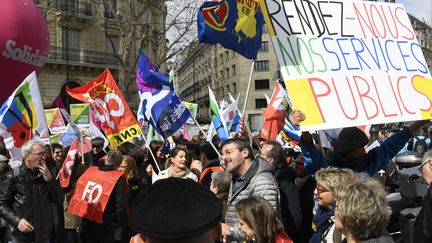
[(250, 176)]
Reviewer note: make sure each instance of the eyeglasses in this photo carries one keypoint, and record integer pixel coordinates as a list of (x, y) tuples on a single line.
[(421, 166), (96, 146), (321, 190), (229, 151)]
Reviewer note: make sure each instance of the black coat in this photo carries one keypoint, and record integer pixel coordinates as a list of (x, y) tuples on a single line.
[(114, 216), (29, 196), (290, 203), (423, 223)]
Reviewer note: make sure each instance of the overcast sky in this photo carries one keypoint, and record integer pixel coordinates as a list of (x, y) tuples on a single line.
[(419, 8)]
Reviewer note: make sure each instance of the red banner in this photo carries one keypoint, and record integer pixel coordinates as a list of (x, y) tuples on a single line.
[(92, 192), (66, 169), (274, 115), (112, 110)]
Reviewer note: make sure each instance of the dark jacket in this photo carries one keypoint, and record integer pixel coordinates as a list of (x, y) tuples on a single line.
[(375, 160), (146, 180), (289, 201), (423, 223), (93, 159), (29, 196), (114, 216), (306, 198)]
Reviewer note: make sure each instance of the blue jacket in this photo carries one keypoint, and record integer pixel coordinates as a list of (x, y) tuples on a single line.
[(372, 162)]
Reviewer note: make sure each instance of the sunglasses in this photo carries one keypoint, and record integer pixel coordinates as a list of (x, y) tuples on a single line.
[(96, 146)]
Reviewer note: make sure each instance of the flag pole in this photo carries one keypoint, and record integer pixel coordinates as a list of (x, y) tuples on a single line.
[(82, 147), (248, 88), (151, 153), (207, 138)]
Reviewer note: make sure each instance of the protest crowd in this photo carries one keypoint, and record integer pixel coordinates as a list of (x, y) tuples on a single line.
[(313, 172), (254, 193)]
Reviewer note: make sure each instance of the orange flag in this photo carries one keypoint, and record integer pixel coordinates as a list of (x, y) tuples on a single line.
[(274, 115), (66, 169), (111, 108)]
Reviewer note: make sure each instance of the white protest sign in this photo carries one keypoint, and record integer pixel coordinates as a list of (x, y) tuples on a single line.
[(349, 63)]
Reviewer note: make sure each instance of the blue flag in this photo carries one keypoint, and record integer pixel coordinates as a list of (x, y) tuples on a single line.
[(158, 102), (236, 25)]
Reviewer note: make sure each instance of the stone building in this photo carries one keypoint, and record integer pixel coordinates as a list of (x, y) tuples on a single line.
[(225, 71), (88, 36)]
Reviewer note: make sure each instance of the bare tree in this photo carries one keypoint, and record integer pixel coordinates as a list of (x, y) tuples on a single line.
[(161, 28)]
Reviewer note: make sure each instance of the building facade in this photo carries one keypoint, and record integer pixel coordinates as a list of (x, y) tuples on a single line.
[(88, 36), (226, 72)]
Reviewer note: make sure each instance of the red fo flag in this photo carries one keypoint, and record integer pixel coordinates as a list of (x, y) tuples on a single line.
[(66, 169), (274, 115)]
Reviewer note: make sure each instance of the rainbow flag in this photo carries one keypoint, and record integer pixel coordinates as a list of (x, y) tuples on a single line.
[(22, 116)]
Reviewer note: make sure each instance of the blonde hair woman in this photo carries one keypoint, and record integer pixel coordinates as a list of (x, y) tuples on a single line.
[(362, 212)]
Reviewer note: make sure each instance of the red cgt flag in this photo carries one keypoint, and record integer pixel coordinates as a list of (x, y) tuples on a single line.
[(66, 169), (274, 115), (112, 110)]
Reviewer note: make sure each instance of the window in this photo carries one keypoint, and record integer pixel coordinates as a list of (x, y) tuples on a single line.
[(260, 103), (264, 46), (227, 72), (70, 38), (264, 28), (222, 74), (71, 46), (233, 68), (262, 84), (261, 66), (110, 9), (234, 88), (109, 46)]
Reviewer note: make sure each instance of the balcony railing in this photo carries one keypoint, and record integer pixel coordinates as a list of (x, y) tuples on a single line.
[(75, 7), (81, 56)]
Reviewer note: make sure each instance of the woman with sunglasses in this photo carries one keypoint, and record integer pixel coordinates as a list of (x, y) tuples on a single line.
[(423, 225), (327, 180)]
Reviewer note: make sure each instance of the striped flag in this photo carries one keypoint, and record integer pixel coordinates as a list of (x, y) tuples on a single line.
[(65, 172), (217, 119)]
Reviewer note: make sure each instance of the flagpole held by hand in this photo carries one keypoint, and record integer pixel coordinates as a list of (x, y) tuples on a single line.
[(151, 153), (82, 147)]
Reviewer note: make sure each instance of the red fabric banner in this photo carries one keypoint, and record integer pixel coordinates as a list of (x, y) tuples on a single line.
[(92, 192), (66, 169), (274, 115), (112, 110)]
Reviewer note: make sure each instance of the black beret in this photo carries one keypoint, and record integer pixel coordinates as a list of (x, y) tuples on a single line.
[(350, 138), (175, 208)]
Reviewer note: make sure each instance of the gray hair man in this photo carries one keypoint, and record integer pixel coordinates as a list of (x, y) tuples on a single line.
[(32, 189)]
